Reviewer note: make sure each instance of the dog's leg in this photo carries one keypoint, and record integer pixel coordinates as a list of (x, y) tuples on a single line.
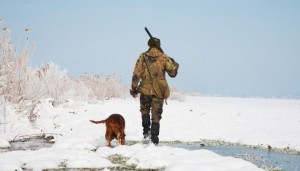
[(108, 143), (108, 137), (119, 136), (123, 139)]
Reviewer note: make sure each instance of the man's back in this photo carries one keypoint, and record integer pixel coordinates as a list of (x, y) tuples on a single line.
[(152, 66)]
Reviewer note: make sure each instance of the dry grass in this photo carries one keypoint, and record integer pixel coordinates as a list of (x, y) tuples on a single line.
[(13, 66)]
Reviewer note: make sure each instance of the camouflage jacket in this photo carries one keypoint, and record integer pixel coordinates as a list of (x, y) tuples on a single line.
[(158, 64)]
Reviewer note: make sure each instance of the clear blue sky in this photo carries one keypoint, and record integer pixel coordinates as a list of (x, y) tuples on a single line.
[(224, 47)]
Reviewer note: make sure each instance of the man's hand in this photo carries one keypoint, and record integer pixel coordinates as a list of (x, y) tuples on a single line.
[(133, 92)]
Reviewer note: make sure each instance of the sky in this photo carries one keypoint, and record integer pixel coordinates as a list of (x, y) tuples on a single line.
[(224, 47)]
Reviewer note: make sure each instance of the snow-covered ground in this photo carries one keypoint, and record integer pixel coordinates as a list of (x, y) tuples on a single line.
[(81, 144)]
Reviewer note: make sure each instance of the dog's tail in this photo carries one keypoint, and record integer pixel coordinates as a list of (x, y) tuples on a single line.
[(98, 122)]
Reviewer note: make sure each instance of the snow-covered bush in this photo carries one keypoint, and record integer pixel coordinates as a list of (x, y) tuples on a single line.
[(177, 95), (13, 66), (103, 87), (78, 90), (48, 82)]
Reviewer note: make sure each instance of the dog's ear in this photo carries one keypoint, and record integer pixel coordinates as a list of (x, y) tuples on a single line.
[(92, 121)]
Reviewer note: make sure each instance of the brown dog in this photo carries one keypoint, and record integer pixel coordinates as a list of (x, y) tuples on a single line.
[(115, 126)]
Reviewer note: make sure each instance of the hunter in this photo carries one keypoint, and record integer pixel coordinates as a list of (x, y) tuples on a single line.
[(149, 80)]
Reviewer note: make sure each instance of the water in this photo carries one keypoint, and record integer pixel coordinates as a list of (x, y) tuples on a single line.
[(31, 143), (267, 159)]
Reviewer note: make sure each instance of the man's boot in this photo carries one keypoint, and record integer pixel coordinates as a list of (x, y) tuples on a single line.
[(146, 125), (155, 133)]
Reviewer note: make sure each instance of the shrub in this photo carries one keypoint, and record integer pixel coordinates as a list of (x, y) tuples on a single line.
[(13, 66)]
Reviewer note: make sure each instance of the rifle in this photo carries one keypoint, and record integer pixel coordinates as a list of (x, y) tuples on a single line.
[(158, 47)]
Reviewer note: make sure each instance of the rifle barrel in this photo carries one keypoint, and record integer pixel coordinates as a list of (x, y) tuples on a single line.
[(148, 32)]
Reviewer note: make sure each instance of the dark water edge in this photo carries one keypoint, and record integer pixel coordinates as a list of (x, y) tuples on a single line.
[(267, 158)]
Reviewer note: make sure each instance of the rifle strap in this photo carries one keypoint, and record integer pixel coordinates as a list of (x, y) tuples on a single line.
[(148, 69)]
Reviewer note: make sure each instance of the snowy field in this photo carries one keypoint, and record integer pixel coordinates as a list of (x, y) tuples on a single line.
[(81, 144)]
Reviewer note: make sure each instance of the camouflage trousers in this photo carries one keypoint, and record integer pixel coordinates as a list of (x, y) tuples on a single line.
[(149, 102)]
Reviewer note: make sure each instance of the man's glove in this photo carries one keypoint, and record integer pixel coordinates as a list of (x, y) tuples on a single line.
[(175, 71), (172, 60), (134, 92)]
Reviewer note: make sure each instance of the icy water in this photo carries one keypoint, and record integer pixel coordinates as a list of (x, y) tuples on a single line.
[(263, 158), (266, 159), (32, 143)]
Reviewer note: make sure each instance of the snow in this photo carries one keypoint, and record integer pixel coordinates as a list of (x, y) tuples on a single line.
[(81, 144), (175, 158), (4, 144)]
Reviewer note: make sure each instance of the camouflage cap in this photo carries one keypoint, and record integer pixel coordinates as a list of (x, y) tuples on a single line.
[(152, 43)]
